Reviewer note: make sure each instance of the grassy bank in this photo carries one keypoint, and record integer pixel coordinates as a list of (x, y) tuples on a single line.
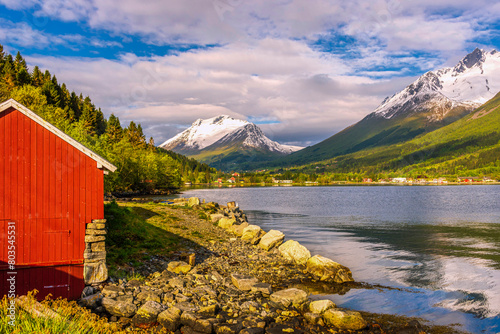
[(146, 233), (73, 319)]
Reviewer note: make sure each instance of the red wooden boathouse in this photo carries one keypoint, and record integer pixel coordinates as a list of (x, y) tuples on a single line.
[(51, 186)]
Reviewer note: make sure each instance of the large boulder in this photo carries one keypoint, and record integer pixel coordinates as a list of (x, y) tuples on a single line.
[(170, 319), (328, 269), (179, 267), (196, 323), (346, 320), (243, 282), (91, 301), (112, 291), (147, 313), (320, 306), (192, 201), (263, 288), (215, 217), (250, 233), (238, 229), (289, 297), (119, 309), (293, 251), (226, 223), (271, 239), (145, 296)]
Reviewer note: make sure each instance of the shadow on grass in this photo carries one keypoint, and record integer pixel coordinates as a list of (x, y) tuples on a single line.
[(138, 241)]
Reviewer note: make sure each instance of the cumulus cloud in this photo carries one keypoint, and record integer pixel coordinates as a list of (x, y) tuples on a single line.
[(310, 96), (22, 34), (228, 21), (256, 60)]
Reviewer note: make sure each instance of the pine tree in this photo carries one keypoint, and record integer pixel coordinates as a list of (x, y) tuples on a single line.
[(135, 135), (151, 144), (114, 130), (9, 74), (36, 77)]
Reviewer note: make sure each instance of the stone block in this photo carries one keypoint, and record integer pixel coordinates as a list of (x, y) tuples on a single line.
[(344, 320), (98, 246), (289, 297), (328, 269), (95, 272), (179, 267), (226, 223), (243, 282), (118, 309), (170, 319), (271, 239), (293, 251), (94, 238), (90, 231), (94, 256), (96, 226)]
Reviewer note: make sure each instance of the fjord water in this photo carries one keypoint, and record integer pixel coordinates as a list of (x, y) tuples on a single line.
[(441, 244)]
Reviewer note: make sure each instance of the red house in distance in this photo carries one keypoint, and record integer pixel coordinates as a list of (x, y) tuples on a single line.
[(51, 187)]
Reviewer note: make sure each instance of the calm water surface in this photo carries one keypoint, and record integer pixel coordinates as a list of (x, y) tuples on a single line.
[(440, 243)]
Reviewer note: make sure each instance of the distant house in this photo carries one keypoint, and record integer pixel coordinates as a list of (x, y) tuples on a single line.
[(399, 180), (51, 195), (282, 181), (236, 174), (467, 179), (367, 180)]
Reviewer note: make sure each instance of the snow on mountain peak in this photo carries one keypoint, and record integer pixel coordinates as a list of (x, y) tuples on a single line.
[(472, 82), (252, 136), (203, 133), (222, 130)]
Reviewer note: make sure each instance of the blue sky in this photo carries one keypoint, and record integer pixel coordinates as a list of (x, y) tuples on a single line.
[(302, 69)]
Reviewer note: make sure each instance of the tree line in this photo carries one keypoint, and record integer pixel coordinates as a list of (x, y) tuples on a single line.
[(141, 166)]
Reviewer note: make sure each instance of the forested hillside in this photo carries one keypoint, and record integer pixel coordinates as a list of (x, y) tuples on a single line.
[(141, 166)]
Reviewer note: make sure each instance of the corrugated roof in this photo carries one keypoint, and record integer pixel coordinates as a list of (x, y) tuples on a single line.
[(101, 162)]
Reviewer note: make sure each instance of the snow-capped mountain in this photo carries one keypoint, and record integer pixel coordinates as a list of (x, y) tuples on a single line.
[(251, 136), (225, 138), (203, 133), (434, 100), (472, 82)]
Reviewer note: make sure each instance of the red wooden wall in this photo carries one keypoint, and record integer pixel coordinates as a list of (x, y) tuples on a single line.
[(50, 190)]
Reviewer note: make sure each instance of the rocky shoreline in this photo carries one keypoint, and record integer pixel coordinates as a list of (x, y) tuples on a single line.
[(235, 278)]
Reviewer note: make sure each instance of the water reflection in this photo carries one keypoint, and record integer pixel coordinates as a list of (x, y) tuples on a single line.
[(441, 243), (453, 269)]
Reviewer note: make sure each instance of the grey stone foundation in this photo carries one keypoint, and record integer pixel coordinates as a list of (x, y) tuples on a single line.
[(94, 264)]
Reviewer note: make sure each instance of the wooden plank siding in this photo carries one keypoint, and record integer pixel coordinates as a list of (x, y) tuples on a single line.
[(50, 189)]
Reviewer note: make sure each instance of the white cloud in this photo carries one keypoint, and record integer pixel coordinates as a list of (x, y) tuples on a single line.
[(228, 21), (263, 66), (311, 96), (22, 34)]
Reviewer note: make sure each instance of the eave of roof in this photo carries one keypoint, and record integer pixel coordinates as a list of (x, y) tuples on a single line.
[(101, 162)]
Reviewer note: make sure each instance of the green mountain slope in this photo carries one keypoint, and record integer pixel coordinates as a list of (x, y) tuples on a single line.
[(232, 155), (470, 144), (372, 131)]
